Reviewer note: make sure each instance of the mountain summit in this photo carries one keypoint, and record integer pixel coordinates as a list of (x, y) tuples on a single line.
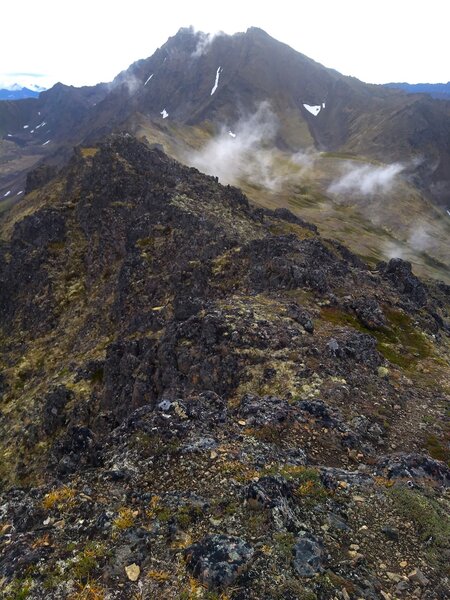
[(196, 79), (348, 156)]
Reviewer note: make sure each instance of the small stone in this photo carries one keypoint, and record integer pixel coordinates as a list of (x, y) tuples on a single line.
[(213, 454), (133, 571), (404, 564), (358, 499), (345, 594), (354, 547), (394, 577), (417, 576), (60, 524), (385, 595), (391, 533), (401, 587), (242, 422), (343, 484), (383, 372)]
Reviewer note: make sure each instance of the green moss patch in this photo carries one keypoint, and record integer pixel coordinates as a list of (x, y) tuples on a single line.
[(399, 342), (430, 519)]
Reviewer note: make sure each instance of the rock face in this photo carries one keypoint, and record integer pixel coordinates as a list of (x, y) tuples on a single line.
[(189, 399), (308, 555), (218, 560), (400, 274)]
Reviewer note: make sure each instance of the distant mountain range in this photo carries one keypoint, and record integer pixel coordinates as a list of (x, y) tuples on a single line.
[(435, 90), (19, 92), (347, 155)]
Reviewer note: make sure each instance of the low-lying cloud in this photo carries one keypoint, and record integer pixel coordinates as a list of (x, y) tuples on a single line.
[(305, 159), (366, 179), (244, 152), (128, 80), (204, 42), (420, 239)]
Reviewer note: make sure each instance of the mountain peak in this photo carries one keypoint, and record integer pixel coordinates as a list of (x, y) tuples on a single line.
[(257, 31)]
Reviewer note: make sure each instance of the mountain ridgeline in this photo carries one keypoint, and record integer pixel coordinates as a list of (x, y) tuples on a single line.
[(435, 90), (204, 395), (348, 156), (18, 92), (251, 67)]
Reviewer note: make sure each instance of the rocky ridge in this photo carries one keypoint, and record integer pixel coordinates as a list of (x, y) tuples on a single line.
[(203, 399)]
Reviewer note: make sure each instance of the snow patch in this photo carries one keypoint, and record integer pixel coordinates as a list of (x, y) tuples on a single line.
[(41, 125), (32, 131), (7, 194), (323, 104), (39, 113), (18, 193), (9, 134), (164, 113), (216, 83), (448, 212), (314, 110), (25, 126), (148, 79), (230, 133), (47, 142)]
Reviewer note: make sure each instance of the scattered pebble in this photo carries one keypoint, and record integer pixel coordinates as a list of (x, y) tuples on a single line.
[(133, 571)]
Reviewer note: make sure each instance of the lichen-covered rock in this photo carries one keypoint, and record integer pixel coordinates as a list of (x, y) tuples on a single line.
[(262, 411), (268, 492), (369, 312), (54, 415), (309, 555), (414, 466), (218, 560), (399, 272), (301, 316)]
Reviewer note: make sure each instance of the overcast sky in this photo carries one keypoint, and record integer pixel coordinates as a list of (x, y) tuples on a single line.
[(87, 41)]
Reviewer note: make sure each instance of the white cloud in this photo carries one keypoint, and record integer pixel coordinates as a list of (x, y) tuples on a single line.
[(366, 179), (246, 156), (304, 159), (204, 42)]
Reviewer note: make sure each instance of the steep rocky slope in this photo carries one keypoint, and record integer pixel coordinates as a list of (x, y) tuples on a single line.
[(203, 399)]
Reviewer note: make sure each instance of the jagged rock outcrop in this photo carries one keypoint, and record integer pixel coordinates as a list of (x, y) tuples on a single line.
[(189, 399)]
